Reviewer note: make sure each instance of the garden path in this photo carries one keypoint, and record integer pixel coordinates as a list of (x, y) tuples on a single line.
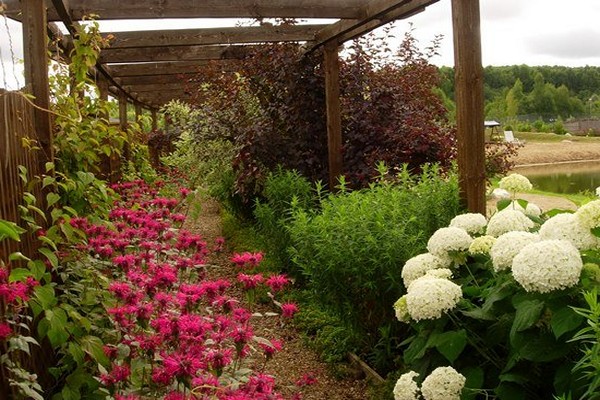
[(295, 362)]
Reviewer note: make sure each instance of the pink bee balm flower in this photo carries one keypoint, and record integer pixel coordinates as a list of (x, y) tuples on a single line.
[(306, 380), (288, 310), (5, 330), (277, 282), (250, 281)]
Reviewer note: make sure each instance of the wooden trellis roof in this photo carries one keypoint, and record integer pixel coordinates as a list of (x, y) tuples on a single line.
[(146, 66), (158, 57)]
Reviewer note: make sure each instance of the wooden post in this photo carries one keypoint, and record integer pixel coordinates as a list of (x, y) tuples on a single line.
[(469, 103), (35, 43), (123, 123), (154, 119), (334, 119), (138, 112)]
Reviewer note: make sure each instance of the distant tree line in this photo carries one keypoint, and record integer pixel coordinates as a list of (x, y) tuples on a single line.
[(534, 92)]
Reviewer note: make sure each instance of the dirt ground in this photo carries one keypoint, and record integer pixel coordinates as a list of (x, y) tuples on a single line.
[(564, 151)]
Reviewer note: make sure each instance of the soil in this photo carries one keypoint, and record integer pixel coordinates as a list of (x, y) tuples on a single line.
[(555, 152), (296, 360)]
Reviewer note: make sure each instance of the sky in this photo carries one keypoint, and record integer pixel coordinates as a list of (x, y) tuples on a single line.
[(532, 32)]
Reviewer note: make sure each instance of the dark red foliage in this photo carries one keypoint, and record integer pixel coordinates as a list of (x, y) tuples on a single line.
[(274, 108)]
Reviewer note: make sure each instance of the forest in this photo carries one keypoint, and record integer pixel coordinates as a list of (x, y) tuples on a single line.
[(529, 93)]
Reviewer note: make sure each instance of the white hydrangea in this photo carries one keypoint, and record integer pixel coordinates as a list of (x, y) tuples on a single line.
[(506, 221), (508, 245), (482, 245), (417, 266), (406, 388), (473, 223), (547, 265), (531, 210), (589, 214), (515, 183), (428, 297), (568, 227), (443, 273), (401, 310), (450, 239), (598, 191), (444, 383)]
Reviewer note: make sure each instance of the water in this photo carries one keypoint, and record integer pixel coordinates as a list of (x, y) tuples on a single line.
[(564, 177)]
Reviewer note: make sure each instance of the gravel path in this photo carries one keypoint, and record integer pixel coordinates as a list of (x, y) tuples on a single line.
[(295, 360)]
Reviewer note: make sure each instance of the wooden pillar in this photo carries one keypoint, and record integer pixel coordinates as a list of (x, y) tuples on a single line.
[(138, 112), (35, 45), (334, 119), (469, 103), (123, 123), (154, 119)]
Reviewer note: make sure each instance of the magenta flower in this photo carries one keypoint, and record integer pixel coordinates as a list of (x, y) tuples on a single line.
[(277, 282), (5, 331), (288, 310), (250, 281)]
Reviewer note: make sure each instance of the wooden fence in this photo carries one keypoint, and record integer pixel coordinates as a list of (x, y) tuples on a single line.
[(16, 132)]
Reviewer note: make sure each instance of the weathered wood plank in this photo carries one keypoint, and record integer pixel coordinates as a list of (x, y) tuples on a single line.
[(469, 103), (334, 120), (166, 68), (178, 53), (153, 87), (113, 9), (35, 45), (373, 15), (207, 36), (156, 79)]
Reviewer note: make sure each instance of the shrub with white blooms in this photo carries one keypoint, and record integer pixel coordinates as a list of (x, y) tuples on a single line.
[(417, 266), (589, 214), (508, 220), (473, 223), (429, 297), (547, 265), (444, 383), (531, 210), (406, 388), (515, 183), (508, 245), (448, 240), (568, 227), (401, 310), (482, 245)]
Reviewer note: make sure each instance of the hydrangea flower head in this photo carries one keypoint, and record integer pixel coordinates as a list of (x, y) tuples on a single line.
[(531, 210), (482, 245), (446, 241), (508, 220), (444, 383), (547, 265), (406, 388), (515, 183), (401, 310), (508, 245), (473, 223), (567, 226), (589, 214), (417, 266), (429, 297)]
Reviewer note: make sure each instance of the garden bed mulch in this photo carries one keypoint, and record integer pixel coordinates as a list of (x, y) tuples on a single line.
[(296, 367)]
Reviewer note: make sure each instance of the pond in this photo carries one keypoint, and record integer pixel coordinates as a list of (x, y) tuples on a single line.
[(563, 177)]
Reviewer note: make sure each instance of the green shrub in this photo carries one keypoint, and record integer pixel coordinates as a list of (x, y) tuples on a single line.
[(284, 191), (352, 250)]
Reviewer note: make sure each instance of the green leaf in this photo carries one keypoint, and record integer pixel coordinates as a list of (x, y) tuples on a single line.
[(565, 320), (48, 180), (92, 345), (45, 296), (502, 204), (450, 344), (510, 391), (57, 334), (18, 256), (76, 352), (19, 274), (50, 255), (596, 231), (475, 378), (527, 314), (52, 198), (47, 241), (10, 230)]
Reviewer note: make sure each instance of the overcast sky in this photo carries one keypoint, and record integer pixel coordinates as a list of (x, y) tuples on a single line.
[(533, 32)]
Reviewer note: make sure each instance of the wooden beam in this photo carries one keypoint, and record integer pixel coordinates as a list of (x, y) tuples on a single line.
[(210, 36), (179, 53), (373, 15), (181, 79), (166, 68), (113, 9), (35, 43), (157, 87), (469, 103), (334, 120)]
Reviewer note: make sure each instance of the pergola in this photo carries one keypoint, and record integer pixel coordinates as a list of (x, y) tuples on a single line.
[(145, 67)]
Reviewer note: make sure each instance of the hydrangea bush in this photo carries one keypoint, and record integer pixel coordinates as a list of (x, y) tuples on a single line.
[(491, 307)]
